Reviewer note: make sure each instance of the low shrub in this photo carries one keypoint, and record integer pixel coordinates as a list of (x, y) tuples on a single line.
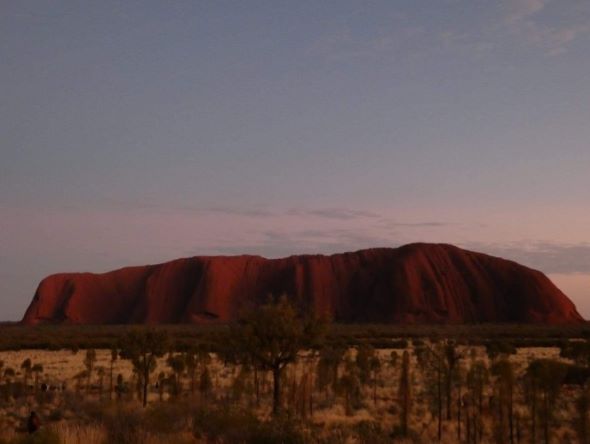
[(165, 418), (496, 348), (338, 434), (223, 424), (371, 432), (43, 436), (234, 425), (55, 415), (124, 426), (576, 375)]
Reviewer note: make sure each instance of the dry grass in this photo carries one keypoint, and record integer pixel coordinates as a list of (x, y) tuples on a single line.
[(85, 421), (81, 434), (97, 434)]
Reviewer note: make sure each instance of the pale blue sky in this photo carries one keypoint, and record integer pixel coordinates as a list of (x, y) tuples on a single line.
[(135, 132)]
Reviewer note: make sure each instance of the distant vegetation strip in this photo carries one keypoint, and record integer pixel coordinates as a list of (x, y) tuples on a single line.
[(56, 337)]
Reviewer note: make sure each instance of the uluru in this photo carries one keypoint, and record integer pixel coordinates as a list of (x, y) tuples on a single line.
[(415, 283)]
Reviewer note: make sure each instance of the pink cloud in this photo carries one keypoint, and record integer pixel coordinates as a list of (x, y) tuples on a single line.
[(521, 9)]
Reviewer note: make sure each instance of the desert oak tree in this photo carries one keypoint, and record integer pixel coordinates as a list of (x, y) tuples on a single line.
[(271, 337)]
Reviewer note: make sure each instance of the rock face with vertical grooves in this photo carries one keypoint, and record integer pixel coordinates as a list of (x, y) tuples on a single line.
[(416, 283)]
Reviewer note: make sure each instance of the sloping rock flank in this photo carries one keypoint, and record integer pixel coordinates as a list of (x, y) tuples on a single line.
[(416, 283)]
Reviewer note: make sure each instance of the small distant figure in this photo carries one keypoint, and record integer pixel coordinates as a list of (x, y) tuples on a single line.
[(33, 423)]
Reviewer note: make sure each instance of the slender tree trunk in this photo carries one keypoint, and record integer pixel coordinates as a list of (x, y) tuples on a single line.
[(439, 391), (479, 435), (546, 418), (334, 379), (502, 415), (459, 415), (511, 415), (404, 393), (534, 418), (276, 398), (311, 382), (145, 385), (178, 383), (111, 382), (304, 395), (375, 390), (347, 407), (292, 399), (468, 419), (256, 386), (449, 394), (193, 371)]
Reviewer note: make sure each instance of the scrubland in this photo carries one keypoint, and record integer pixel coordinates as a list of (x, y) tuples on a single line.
[(427, 389)]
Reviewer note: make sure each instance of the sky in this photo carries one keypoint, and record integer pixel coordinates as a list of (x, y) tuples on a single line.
[(137, 132)]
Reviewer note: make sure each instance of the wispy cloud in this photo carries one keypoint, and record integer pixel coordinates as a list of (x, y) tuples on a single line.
[(528, 20), (427, 224), (332, 213), (341, 42), (548, 25), (239, 211), (274, 243), (548, 257), (251, 211), (246, 211), (553, 40), (521, 9)]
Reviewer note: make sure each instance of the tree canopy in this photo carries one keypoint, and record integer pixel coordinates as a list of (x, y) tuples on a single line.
[(143, 348), (271, 338)]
